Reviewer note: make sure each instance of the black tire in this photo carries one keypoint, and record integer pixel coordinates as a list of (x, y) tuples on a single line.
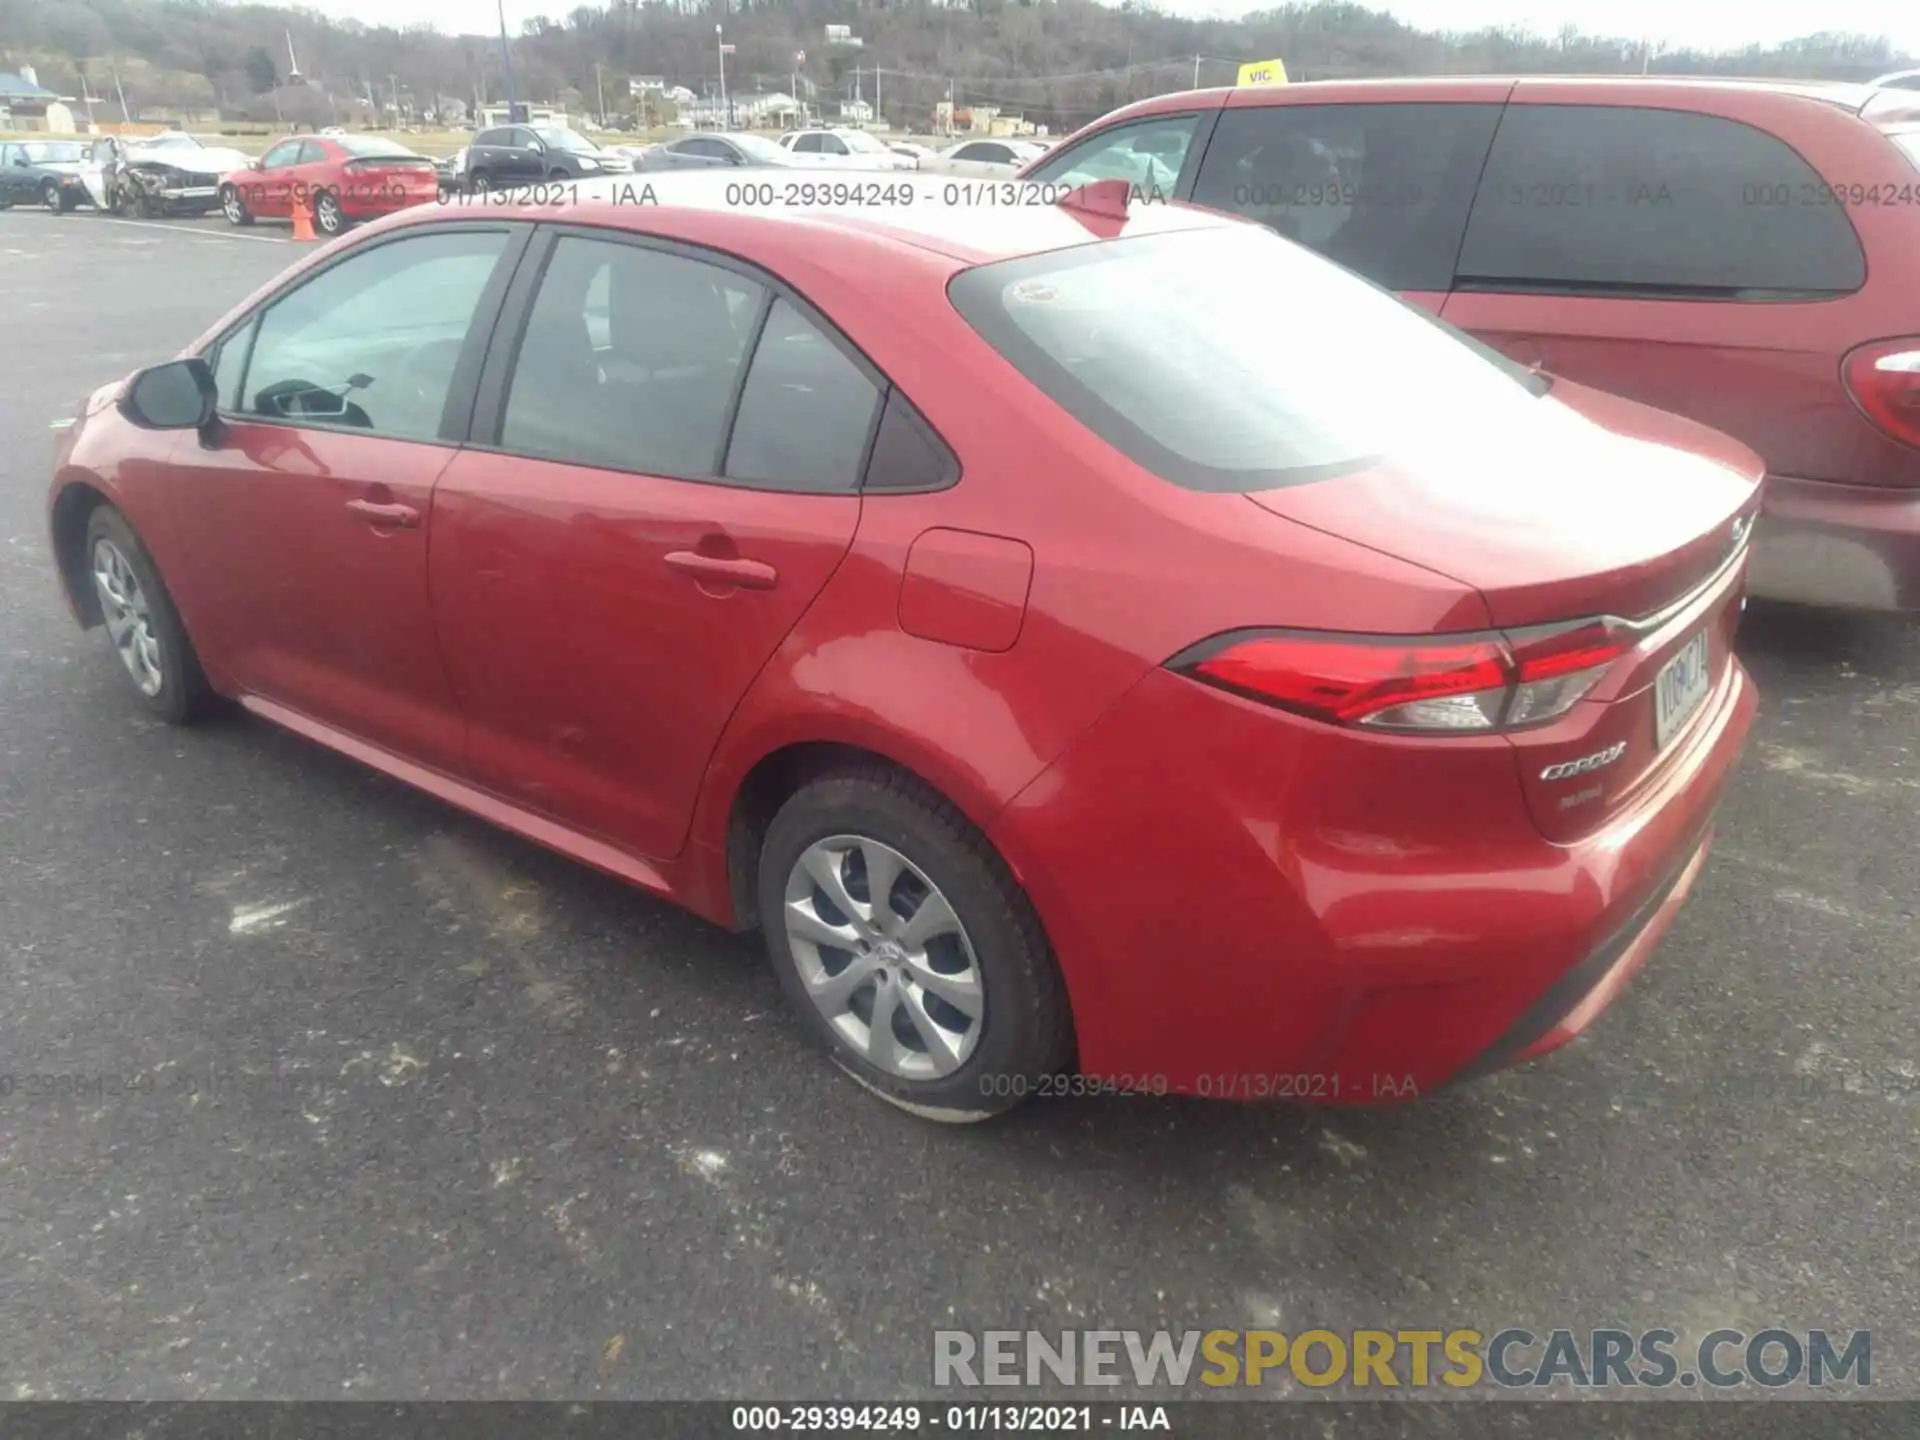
[(184, 695), (328, 218), (1026, 1024), (234, 206), (479, 183), (55, 198), (558, 174)]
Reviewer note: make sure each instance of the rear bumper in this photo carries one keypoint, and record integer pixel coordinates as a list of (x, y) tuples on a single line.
[(1281, 911), (1850, 546)]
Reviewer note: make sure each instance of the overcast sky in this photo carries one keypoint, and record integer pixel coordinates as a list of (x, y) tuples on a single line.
[(1714, 24)]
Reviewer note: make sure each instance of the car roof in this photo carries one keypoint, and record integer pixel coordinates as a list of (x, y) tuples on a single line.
[(961, 221), (1846, 95)]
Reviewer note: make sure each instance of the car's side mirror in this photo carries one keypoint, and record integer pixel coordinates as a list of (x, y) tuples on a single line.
[(179, 395)]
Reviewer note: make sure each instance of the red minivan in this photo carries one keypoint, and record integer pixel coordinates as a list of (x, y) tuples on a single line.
[(1746, 253)]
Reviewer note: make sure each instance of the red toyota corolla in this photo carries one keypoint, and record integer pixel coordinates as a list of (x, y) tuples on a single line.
[(337, 180), (1088, 642)]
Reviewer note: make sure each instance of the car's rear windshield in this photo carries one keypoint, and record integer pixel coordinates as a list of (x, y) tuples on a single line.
[(367, 147), (1232, 360)]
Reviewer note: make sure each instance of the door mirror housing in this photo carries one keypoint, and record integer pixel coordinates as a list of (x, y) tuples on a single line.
[(179, 395)]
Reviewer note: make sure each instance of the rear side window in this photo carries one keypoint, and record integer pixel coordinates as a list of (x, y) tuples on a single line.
[(1147, 153), (1227, 359), (1619, 200), (491, 137), (630, 360), (806, 413), (1383, 189)]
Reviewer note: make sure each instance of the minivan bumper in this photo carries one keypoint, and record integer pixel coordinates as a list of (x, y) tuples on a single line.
[(1848, 546)]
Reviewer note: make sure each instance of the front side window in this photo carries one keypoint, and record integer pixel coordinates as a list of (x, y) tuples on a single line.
[(1230, 360), (371, 343), (1147, 153), (492, 137), (630, 360), (1620, 200), (1383, 189), (287, 152)]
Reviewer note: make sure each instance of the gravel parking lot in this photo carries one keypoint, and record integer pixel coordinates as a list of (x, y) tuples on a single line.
[(431, 1112)]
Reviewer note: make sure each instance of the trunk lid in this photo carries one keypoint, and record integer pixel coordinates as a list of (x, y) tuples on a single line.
[(1601, 506)]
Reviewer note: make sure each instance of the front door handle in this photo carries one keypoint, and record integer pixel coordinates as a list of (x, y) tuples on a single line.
[(385, 517), (747, 574)]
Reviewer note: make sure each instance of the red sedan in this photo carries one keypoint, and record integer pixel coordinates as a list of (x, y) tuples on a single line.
[(336, 179), (1089, 642)]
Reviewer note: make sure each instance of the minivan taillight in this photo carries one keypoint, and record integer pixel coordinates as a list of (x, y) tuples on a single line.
[(1884, 380), (1428, 684)]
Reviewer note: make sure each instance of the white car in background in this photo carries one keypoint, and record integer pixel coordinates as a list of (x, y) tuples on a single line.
[(914, 151), (172, 173), (987, 158), (846, 148)]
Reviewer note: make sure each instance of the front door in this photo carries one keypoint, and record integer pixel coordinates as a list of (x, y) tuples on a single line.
[(270, 189), (309, 514), (612, 577)]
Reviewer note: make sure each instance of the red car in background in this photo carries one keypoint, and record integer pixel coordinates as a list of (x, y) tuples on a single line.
[(336, 179), (1742, 252), (1088, 641)]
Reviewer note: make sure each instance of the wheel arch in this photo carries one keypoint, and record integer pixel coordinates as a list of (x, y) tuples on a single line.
[(72, 508), (746, 804)]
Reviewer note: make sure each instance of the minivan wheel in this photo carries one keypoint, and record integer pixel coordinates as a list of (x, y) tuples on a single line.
[(908, 949), (142, 623)]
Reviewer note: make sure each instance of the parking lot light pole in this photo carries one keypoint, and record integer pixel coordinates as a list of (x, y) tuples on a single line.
[(506, 64)]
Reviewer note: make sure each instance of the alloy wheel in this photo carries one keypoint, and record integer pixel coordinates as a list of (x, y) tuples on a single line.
[(129, 616), (230, 204), (326, 215), (884, 958)]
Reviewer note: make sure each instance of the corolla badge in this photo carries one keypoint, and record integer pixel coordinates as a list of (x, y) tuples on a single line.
[(1586, 764)]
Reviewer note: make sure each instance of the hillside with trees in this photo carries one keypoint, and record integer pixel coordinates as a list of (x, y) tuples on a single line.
[(1058, 61)]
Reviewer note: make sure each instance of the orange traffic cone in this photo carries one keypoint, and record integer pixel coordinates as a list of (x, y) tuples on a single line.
[(302, 223)]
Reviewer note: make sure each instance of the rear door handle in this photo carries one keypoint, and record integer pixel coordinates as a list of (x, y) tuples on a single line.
[(385, 517), (747, 574)]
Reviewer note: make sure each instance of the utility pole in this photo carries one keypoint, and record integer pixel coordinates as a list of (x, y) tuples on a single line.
[(506, 64), (126, 114), (1196, 72), (720, 54), (882, 119), (602, 90)]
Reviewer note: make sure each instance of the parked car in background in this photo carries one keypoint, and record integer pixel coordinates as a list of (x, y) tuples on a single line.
[(712, 149), (42, 172), (450, 171), (523, 154), (171, 173), (984, 158), (1743, 252), (708, 552), (853, 149), (337, 180), (1899, 80)]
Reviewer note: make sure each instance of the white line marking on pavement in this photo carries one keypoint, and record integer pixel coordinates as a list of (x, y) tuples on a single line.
[(170, 229)]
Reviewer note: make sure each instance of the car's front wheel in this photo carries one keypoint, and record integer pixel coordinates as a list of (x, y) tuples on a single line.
[(145, 628), (54, 196), (328, 217), (908, 948), (234, 206)]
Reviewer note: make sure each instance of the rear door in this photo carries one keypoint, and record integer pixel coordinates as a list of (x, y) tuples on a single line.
[(1687, 259), (663, 475), (1382, 188)]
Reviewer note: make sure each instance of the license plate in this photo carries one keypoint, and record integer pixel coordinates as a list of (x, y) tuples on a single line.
[(1679, 689)]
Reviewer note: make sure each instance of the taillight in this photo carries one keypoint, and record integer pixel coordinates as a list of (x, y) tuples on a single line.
[(1884, 380), (1427, 684)]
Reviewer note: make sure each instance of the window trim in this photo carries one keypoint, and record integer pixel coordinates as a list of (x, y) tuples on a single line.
[(1206, 120), (1677, 293), (457, 413), (503, 354)]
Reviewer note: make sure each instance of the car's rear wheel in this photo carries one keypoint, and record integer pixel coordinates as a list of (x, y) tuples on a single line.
[(328, 217), (145, 628), (234, 206), (907, 947)]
